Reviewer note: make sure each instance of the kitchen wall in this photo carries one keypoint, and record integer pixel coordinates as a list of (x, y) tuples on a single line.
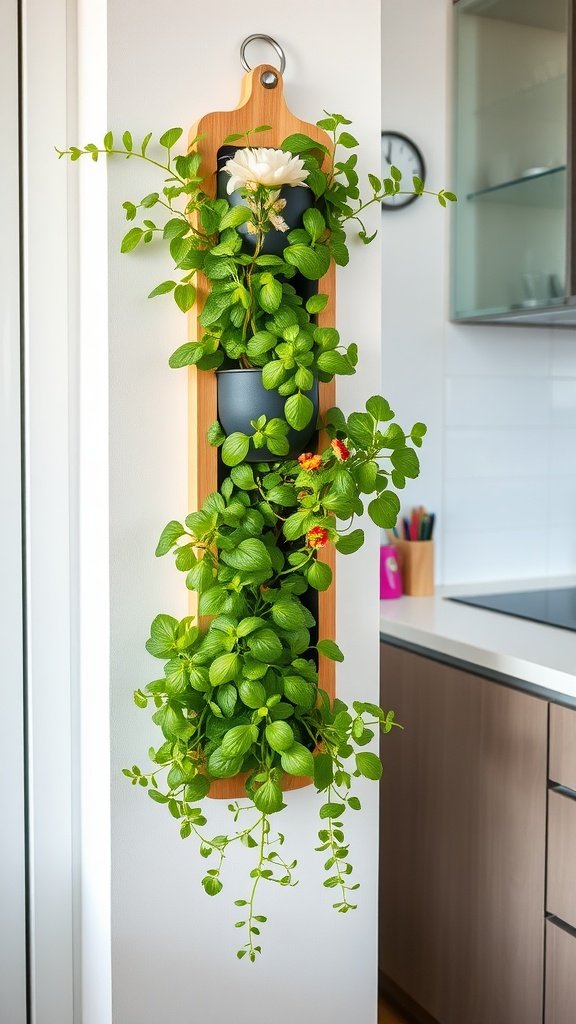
[(171, 949), (500, 402)]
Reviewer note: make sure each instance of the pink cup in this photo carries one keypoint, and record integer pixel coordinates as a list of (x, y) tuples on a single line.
[(390, 578)]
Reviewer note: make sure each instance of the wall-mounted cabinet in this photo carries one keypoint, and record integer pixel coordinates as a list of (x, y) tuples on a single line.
[(514, 232)]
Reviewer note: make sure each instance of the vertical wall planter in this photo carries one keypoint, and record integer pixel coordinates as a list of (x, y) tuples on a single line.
[(261, 102)]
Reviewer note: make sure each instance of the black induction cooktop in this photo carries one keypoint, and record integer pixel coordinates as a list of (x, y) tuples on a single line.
[(552, 607)]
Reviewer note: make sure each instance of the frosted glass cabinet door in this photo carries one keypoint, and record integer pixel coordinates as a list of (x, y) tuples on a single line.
[(511, 90), (12, 844)]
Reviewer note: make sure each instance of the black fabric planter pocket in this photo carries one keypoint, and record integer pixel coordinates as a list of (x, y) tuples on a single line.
[(242, 397)]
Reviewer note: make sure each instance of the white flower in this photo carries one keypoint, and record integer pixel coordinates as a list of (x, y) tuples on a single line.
[(250, 168)]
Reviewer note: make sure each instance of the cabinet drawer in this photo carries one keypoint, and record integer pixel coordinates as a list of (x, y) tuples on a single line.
[(561, 895), (560, 975), (562, 767)]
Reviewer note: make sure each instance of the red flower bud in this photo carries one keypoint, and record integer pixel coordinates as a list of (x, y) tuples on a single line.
[(317, 537), (340, 450)]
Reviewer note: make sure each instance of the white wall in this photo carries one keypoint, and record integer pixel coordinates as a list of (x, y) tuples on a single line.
[(500, 402), (173, 948)]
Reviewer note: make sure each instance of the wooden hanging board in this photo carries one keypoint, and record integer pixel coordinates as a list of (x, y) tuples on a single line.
[(258, 105)]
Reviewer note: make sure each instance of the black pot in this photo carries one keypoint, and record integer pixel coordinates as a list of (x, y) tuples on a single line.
[(298, 199), (242, 397)]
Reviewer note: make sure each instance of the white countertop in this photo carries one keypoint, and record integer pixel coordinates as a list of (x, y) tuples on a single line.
[(541, 656)]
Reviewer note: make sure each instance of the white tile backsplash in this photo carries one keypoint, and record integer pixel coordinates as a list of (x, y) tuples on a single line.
[(563, 451), (497, 351), (564, 354), (563, 396), (494, 503), (470, 454), (474, 401), (500, 554)]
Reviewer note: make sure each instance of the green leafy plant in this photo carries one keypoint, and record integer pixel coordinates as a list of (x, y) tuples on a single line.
[(239, 696), (253, 316)]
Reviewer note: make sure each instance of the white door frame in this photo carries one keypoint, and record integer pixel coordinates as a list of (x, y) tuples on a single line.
[(13, 957)]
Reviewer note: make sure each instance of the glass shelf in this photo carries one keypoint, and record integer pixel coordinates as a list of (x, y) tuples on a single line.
[(547, 188)]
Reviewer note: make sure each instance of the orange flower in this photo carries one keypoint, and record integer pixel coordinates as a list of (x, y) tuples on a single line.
[(317, 537), (310, 462), (340, 450)]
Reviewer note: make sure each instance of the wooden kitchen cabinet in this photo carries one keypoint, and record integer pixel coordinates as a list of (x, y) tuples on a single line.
[(462, 834), (560, 975), (514, 240)]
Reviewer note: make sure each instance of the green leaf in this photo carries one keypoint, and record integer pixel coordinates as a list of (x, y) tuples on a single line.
[(335, 362), (300, 143), (369, 765), (384, 510), (235, 449), (270, 294), (108, 141), (170, 534), (288, 615), (314, 223), (273, 374), (330, 650), (366, 476), (185, 296), (312, 263), (268, 798), (212, 886), (319, 575), (222, 767), (162, 289), (226, 698), (252, 694), (298, 410), (260, 343), (323, 771), (238, 740), (251, 555), (186, 355), (347, 140), (300, 692), (127, 141), (361, 429), (243, 477), (331, 810), (265, 646), (316, 303), (349, 543), (283, 494), (170, 138), (247, 626), (379, 408), (131, 239), (215, 435), (235, 216), (163, 637), (406, 461), (297, 760), (196, 789), (225, 668), (279, 736)]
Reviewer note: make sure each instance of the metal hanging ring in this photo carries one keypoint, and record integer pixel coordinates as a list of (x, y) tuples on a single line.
[(266, 39)]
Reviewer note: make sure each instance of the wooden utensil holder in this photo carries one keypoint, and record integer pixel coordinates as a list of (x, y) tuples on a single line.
[(416, 561)]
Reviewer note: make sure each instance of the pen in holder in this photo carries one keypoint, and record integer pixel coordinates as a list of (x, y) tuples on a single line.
[(416, 560)]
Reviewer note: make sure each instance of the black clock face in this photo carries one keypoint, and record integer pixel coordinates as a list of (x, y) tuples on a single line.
[(400, 151)]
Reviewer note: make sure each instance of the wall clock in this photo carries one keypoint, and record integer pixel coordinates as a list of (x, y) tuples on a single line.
[(401, 151)]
